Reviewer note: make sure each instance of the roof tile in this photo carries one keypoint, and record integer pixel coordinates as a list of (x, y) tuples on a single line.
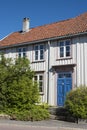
[(62, 28)]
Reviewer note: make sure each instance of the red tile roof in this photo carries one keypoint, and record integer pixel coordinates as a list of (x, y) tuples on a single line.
[(62, 28)]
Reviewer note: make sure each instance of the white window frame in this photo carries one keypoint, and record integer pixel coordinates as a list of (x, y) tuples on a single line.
[(22, 52), (63, 48), (38, 51), (39, 80)]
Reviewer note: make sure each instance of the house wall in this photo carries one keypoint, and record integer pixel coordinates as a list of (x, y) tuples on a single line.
[(78, 58), (38, 67), (81, 60)]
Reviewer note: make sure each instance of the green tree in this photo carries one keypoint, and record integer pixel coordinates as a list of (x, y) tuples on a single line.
[(3, 83), (76, 103), (22, 90), (19, 94), (18, 90)]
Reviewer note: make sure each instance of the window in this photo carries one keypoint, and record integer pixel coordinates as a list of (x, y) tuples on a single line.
[(39, 52), (65, 75), (21, 52), (39, 79), (64, 49), (24, 52)]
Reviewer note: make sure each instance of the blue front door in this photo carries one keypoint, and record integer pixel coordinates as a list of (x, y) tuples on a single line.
[(64, 85)]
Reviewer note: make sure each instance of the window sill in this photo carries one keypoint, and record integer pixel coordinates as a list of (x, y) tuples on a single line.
[(64, 58), (38, 61), (41, 93)]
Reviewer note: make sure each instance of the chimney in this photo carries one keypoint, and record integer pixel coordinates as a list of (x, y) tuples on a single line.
[(25, 25)]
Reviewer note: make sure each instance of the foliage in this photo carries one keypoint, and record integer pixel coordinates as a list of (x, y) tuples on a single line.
[(36, 113), (76, 102), (18, 92)]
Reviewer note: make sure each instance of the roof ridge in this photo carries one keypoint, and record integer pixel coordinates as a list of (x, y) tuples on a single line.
[(60, 20), (47, 31), (51, 23)]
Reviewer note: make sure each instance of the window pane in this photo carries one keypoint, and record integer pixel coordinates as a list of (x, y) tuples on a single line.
[(68, 75), (67, 42), (36, 52), (40, 86), (61, 43), (41, 83), (61, 76), (19, 50), (61, 55), (67, 54), (67, 51), (24, 49), (62, 52), (35, 78), (41, 57), (41, 47), (36, 55), (64, 75), (19, 55), (41, 54), (67, 48), (24, 54), (61, 49), (40, 77), (36, 47), (40, 89)]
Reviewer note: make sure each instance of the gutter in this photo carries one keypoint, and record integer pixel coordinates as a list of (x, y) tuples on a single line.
[(43, 40), (48, 72)]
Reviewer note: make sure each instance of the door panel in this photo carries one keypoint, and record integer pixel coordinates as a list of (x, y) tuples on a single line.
[(60, 91), (64, 85), (68, 85)]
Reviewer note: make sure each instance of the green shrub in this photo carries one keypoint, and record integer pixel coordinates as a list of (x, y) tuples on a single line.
[(36, 113), (76, 102)]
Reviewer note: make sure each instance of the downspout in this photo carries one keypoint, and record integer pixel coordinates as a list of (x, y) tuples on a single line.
[(48, 72)]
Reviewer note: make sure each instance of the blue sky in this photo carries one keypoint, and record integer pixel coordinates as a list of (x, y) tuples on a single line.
[(40, 12)]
